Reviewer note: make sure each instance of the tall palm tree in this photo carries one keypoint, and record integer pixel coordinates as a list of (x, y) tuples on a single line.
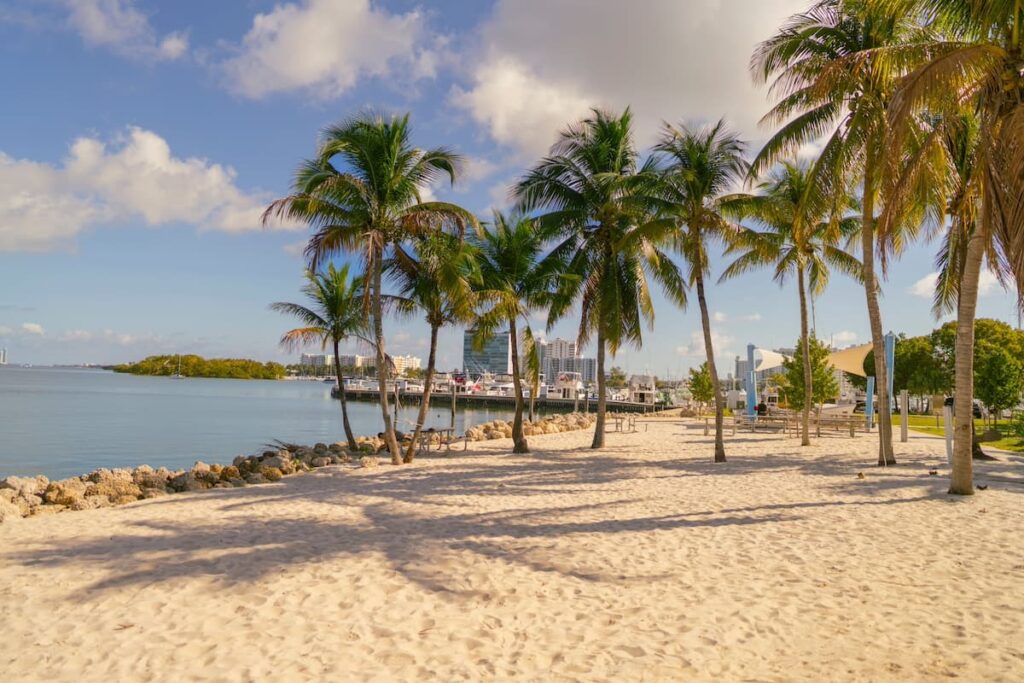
[(361, 194), (334, 315), (435, 278), (974, 65), (803, 234), (698, 168), (514, 282), (596, 202), (835, 80)]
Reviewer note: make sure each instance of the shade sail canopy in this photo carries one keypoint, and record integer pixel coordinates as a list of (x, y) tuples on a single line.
[(769, 360), (851, 360)]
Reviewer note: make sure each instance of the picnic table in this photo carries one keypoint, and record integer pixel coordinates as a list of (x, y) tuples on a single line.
[(427, 435)]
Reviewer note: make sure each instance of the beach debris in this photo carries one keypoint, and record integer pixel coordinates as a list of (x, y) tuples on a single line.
[(860, 475), (933, 473), (982, 487)]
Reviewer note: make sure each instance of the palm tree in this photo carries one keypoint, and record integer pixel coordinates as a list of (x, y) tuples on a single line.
[(698, 168), (973, 65), (596, 202), (803, 234), (835, 78), (336, 314), (515, 281), (361, 194), (436, 279)]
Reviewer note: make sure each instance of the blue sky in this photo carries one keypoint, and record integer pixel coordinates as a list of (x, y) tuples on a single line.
[(139, 141)]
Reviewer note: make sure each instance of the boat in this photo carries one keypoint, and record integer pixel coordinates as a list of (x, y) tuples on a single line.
[(178, 374)]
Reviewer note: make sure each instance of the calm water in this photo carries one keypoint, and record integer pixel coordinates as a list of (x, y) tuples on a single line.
[(62, 422)]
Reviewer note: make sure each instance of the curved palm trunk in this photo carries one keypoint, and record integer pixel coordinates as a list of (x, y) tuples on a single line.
[(712, 370), (805, 352), (410, 452), (382, 372), (885, 454), (519, 444), (344, 402), (602, 401), (961, 480)]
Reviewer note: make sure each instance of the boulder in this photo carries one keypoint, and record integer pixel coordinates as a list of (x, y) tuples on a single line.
[(117, 485), (91, 503), (64, 492), (154, 493), (25, 485), (187, 481), (255, 478), (237, 482), (230, 472), (48, 510), (27, 502), (320, 448), (9, 511), (338, 447), (239, 460), (271, 473), (368, 461), (200, 467), (322, 461)]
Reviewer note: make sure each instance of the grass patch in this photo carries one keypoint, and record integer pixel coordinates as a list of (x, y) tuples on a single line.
[(931, 424)]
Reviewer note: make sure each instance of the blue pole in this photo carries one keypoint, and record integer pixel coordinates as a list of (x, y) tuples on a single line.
[(751, 381), (890, 362), (869, 408)]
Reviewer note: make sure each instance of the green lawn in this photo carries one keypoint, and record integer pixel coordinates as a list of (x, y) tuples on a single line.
[(931, 424)]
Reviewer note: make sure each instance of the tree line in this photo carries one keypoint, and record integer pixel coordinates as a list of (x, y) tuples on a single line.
[(916, 106), (197, 366)]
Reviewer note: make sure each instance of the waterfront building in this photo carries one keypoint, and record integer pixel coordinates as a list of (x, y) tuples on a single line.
[(3, 356), (495, 356), (404, 363), (316, 360), (560, 355)]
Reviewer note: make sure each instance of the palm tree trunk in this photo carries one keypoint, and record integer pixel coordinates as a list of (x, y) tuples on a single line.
[(961, 480), (885, 454), (519, 444), (410, 452), (805, 352), (709, 349), (382, 372), (344, 403), (602, 401)]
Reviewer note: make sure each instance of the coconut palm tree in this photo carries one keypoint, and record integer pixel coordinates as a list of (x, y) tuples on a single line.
[(515, 282), (435, 278), (698, 168), (835, 79), (335, 314), (594, 196), (362, 194), (973, 64), (804, 234)]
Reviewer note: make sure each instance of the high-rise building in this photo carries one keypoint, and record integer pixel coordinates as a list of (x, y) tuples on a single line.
[(559, 355), (3, 356), (403, 363), (316, 360), (495, 356)]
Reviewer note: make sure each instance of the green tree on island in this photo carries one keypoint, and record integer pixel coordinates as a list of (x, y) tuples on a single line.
[(361, 195), (804, 233), (596, 200), (335, 315), (698, 168), (436, 279), (197, 366)]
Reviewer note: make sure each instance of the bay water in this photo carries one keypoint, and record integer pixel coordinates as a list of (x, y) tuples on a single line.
[(63, 422)]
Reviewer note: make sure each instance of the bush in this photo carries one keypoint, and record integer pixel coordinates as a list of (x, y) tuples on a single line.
[(1017, 425)]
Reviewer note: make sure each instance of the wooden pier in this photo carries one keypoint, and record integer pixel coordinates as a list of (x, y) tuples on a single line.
[(483, 400)]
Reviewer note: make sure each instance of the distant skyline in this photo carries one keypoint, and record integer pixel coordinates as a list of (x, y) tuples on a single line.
[(140, 141)]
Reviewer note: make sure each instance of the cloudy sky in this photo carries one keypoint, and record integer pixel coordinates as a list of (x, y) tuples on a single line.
[(140, 140)]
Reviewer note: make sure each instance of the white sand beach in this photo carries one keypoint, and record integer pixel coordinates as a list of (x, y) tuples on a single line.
[(641, 562)]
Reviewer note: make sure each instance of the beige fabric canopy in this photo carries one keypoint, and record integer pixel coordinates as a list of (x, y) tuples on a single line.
[(851, 360), (769, 360)]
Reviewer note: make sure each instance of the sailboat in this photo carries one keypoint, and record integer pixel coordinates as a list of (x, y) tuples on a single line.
[(178, 374)]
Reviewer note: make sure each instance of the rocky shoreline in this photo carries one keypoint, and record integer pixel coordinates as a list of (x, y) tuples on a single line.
[(32, 496)]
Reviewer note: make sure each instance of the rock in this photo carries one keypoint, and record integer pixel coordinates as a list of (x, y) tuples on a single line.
[(27, 502), (146, 477), (237, 482), (222, 485), (26, 485), (321, 462), (117, 485), (90, 503), (187, 481), (230, 472), (48, 510), (338, 447), (239, 460), (8, 494), (9, 511), (64, 492), (278, 461), (271, 473), (368, 461), (255, 478), (154, 493), (200, 467), (320, 448)]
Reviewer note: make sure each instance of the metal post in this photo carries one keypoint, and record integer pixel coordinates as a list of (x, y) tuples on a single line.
[(948, 429), (904, 417), (453, 407), (890, 361), (869, 404), (751, 382)]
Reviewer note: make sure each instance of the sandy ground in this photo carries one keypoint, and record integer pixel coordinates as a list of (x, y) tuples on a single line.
[(641, 562)]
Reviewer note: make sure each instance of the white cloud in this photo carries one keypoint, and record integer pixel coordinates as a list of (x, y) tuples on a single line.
[(925, 287), (326, 46), (295, 249), (752, 317), (119, 26), (33, 329), (136, 178), (719, 317), (722, 344), (844, 337), (542, 64)]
